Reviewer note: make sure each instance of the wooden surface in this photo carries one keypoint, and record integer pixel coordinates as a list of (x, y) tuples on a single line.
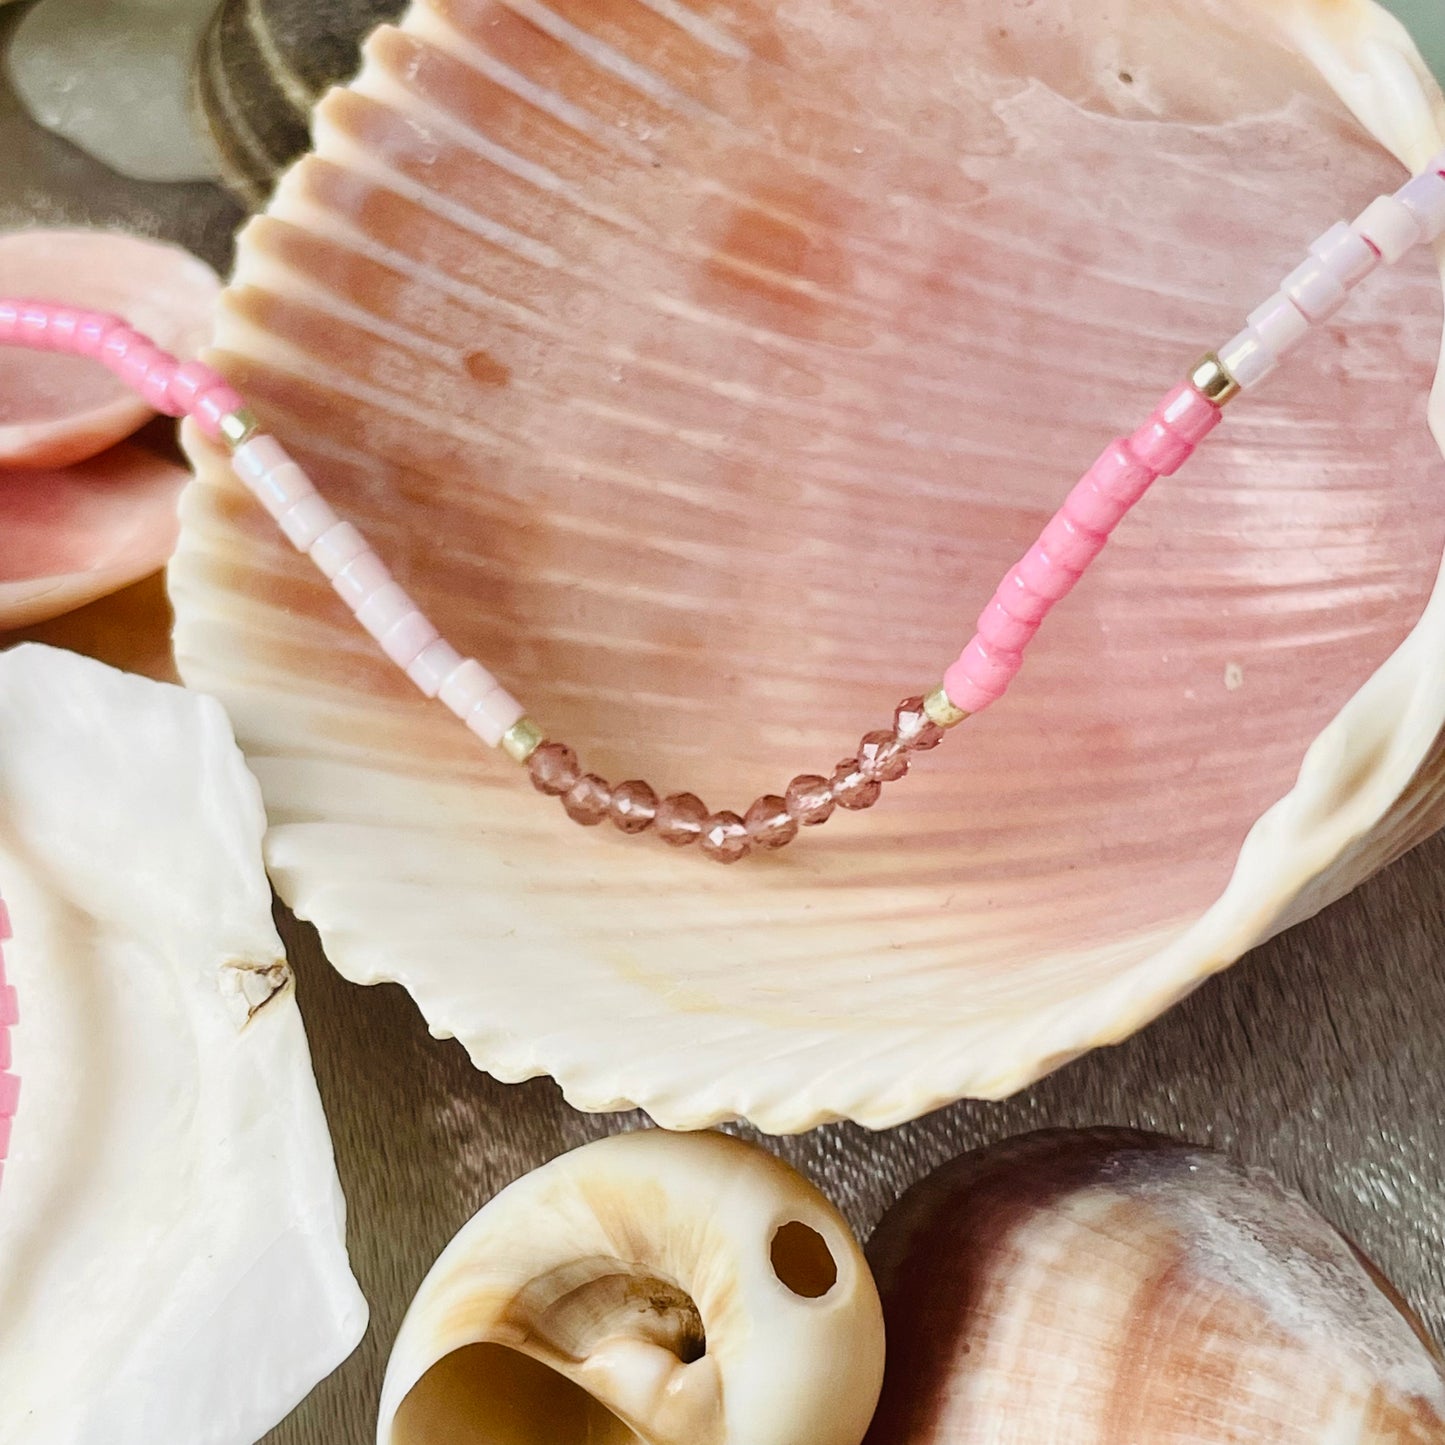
[(1320, 1056)]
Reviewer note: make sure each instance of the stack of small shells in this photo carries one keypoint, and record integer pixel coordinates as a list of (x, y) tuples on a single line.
[(262, 66)]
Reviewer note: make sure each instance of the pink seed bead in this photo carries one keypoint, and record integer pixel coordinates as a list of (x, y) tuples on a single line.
[(810, 799), (9, 1093), (33, 325), (212, 405), (137, 361), (94, 329), (1069, 545), (64, 322), (852, 787), (769, 823), (1189, 414), (553, 769), (253, 459), (725, 838), (1160, 449), (882, 757), (382, 609), (680, 818), (588, 800), (1004, 631), (155, 387), (1041, 575), (979, 677), (914, 728), (191, 379), (9, 1008), (634, 806)]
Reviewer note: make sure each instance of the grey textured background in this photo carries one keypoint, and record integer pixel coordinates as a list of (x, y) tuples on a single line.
[(1319, 1056)]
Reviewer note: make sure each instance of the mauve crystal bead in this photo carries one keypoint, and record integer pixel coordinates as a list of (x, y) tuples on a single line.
[(588, 800), (769, 823), (853, 788), (725, 837), (634, 806), (810, 799), (554, 769), (883, 757), (914, 728), (680, 817)]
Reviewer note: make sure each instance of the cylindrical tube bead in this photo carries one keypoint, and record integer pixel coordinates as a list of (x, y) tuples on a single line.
[(335, 547), (1347, 254), (382, 609), (312, 517), (433, 665), (404, 641), (494, 714), (1389, 226), (1279, 324), (1424, 198), (361, 576), (465, 686)]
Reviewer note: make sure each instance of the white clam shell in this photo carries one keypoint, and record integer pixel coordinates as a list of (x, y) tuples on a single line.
[(702, 367), (172, 1253), (635, 1292)]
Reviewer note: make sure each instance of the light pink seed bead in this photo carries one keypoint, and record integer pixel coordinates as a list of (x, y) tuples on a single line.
[(382, 609), (1346, 253), (494, 714), (405, 639), (337, 546), (308, 521), (433, 665), (253, 459), (360, 577), (466, 686)]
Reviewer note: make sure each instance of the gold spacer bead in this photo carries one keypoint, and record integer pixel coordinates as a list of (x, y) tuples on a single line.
[(941, 710), (1211, 379), (238, 427), (523, 739)]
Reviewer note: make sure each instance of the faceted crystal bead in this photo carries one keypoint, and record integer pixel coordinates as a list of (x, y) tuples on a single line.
[(554, 769), (914, 728), (634, 806), (588, 800), (810, 799), (769, 823), (853, 788), (725, 837), (680, 817), (883, 757)]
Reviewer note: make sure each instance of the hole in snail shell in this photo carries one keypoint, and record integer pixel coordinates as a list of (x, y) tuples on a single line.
[(802, 1260), (488, 1394)]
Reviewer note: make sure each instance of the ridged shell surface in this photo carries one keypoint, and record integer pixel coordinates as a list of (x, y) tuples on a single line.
[(701, 367)]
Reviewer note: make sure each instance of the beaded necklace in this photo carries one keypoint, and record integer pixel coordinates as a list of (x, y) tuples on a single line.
[(1311, 293)]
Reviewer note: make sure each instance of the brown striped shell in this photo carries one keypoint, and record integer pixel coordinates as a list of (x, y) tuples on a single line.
[(700, 365), (1114, 1288)]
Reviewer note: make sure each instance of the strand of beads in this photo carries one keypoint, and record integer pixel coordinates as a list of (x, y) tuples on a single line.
[(9, 1017), (1314, 291), (1121, 475), (772, 821)]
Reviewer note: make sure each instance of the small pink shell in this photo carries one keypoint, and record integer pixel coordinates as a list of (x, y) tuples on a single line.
[(59, 409)]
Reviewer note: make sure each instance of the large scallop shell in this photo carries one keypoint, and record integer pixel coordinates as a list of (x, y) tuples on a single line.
[(701, 364), (1113, 1288)]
